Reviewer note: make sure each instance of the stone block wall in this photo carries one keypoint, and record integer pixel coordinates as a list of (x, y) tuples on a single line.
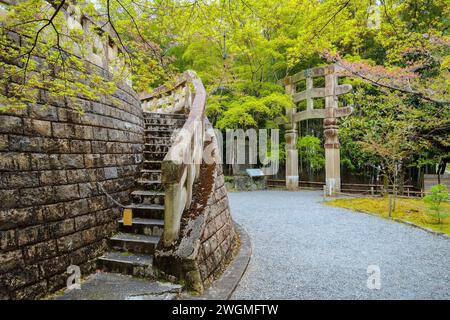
[(53, 212), (218, 237)]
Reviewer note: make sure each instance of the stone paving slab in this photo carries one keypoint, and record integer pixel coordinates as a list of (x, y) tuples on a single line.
[(111, 286)]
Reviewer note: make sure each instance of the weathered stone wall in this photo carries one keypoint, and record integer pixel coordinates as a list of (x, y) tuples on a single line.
[(52, 211), (218, 237), (207, 235)]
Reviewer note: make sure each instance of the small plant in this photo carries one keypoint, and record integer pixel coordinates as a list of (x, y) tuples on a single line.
[(229, 179), (439, 194)]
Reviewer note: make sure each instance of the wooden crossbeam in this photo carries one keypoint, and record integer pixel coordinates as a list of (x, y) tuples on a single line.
[(308, 94), (310, 73), (322, 113), (315, 114), (321, 92)]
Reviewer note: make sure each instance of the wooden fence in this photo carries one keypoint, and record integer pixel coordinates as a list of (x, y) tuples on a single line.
[(353, 188)]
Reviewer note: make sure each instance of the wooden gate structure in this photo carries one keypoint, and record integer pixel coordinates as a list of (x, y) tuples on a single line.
[(330, 113)]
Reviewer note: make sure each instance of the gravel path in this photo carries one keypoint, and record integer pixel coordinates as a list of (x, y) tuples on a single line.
[(303, 249)]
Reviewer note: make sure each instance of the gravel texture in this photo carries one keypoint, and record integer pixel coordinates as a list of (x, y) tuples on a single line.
[(303, 249)]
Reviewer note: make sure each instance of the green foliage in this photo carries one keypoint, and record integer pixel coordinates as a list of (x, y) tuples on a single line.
[(311, 151), (439, 194), (240, 49), (53, 54), (47, 58), (391, 131), (407, 209), (249, 111)]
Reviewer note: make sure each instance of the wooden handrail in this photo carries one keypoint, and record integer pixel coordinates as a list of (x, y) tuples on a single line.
[(192, 132), (181, 165)]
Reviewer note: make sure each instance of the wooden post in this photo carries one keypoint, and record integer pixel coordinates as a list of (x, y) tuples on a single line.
[(291, 145), (332, 146)]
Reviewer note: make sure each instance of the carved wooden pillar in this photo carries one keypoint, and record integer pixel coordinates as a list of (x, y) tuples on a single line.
[(291, 146), (332, 146), (332, 157)]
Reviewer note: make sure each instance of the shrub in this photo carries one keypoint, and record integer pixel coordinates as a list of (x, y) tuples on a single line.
[(439, 194)]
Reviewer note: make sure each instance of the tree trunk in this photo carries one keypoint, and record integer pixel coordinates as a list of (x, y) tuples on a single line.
[(389, 206), (401, 181), (385, 184), (394, 202), (394, 188), (420, 178)]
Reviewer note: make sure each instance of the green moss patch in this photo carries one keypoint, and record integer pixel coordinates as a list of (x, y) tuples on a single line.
[(412, 210)]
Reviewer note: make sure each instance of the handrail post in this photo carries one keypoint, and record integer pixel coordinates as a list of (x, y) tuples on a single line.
[(172, 204)]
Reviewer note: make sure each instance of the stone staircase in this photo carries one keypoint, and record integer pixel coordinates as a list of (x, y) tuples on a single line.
[(131, 250)]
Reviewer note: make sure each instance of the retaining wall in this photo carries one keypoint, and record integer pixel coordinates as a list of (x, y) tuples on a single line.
[(53, 212)]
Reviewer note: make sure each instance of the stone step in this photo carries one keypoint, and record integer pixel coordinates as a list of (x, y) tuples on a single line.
[(154, 155), (152, 164), (155, 152), (157, 157), (158, 134), (147, 193), (166, 138), (156, 147), (176, 123), (151, 171), (161, 141), (152, 139), (147, 210), (149, 227), (146, 206), (148, 145), (151, 175), (163, 123), (148, 197), (167, 143), (147, 183), (138, 265), (159, 129), (134, 243), (154, 128), (164, 115), (154, 115)]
